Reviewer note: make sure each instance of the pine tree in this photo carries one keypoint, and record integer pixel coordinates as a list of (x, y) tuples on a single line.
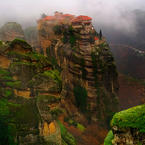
[(100, 34)]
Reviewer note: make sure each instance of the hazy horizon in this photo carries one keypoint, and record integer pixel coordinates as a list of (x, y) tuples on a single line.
[(116, 14)]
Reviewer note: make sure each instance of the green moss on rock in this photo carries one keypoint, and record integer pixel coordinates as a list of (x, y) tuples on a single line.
[(47, 99), (109, 138), (67, 138), (130, 118), (21, 42)]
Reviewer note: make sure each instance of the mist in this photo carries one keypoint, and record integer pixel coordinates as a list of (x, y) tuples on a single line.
[(116, 14)]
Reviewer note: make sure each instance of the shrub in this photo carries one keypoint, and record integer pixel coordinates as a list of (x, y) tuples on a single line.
[(109, 138), (80, 94), (58, 29), (66, 136)]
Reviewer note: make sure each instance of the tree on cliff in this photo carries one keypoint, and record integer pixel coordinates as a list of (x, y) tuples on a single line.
[(100, 34)]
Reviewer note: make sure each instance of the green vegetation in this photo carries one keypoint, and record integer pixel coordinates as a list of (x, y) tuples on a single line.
[(8, 93), (81, 127), (67, 138), (4, 72), (109, 138), (55, 75), (133, 118), (69, 36), (58, 29), (17, 119), (14, 84), (80, 94), (1, 43), (27, 114), (7, 128), (75, 124), (100, 34), (5, 75), (55, 112), (48, 99), (21, 42)]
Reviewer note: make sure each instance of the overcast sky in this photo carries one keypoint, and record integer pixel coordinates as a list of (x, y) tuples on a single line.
[(109, 12)]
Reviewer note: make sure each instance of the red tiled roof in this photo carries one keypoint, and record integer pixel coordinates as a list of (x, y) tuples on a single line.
[(49, 18), (68, 15), (96, 38), (81, 18)]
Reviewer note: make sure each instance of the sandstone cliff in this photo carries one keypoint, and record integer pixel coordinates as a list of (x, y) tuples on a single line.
[(73, 85), (88, 70), (29, 97)]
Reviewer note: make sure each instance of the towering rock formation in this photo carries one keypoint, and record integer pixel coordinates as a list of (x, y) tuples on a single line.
[(10, 31), (46, 28), (88, 71), (29, 97)]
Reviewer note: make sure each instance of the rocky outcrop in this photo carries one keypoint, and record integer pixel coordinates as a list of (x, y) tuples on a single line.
[(29, 95), (10, 31), (88, 71), (127, 127)]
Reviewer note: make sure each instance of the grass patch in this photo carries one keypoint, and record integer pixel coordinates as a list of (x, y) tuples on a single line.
[(8, 93), (48, 99), (81, 127), (109, 138), (15, 84), (66, 136), (21, 42)]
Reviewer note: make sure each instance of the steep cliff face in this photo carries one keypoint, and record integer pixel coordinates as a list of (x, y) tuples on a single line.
[(10, 31), (88, 70), (48, 28), (127, 127), (29, 97)]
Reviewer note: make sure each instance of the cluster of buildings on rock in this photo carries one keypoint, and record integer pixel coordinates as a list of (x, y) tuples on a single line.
[(82, 23), (60, 18)]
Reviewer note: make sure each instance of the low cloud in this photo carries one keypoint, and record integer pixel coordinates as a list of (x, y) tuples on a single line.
[(116, 14)]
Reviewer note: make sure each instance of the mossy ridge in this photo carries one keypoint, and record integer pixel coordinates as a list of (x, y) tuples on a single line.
[(109, 138), (51, 75), (130, 118), (66, 136), (48, 99), (5, 75), (39, 60), (21, 42), (55, 75)]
